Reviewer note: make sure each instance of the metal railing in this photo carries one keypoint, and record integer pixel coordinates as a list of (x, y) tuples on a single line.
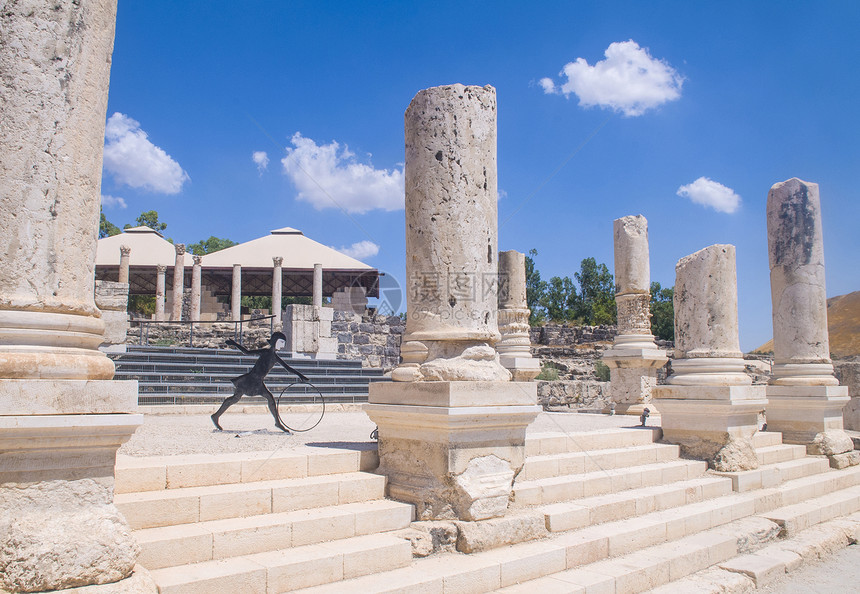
[(238, 327)]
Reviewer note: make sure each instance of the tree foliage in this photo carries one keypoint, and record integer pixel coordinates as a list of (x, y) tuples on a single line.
[(148, 219), (106, 228), (535, 288), (208, 246), (662, 312)]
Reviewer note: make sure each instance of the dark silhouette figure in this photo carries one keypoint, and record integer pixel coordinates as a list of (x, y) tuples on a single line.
[(251, 383), (644, 416)]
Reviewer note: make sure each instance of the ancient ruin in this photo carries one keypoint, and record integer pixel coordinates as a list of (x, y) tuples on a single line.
[(634, 358), (514, 347)]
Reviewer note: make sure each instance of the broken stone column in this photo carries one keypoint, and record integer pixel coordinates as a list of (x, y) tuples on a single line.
[(178, 281), (160, 291), (124, 256), (805, 399), (634, 358), (196, 274), (709, 406), (236, 293), (62, 417), (277, 290), (452, 425), (514, 348)]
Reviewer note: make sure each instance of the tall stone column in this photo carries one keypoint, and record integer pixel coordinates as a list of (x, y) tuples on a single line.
[(196, 274), (277, 289), (452, 425), (160, 291), (61, 417), (710, 407), (804, 397), (634, 358), (178, 281), (514, 348), (318, 286), (236, 293), (124, 257)]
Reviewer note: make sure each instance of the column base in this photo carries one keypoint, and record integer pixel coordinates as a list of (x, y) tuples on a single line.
[(712, 423), (633, 377), (523, 368), (803, 413), (452, 448)]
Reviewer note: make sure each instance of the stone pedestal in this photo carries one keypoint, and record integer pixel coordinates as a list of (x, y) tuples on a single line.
[(452, 448), (112, 301), (514, 347)]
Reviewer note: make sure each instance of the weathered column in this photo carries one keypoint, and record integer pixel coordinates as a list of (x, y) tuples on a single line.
[(196, 274), (277, 289), (452, 425), (634, 358), (709, 406), (160, 291), (236, 293), (318, 286), (514, 348), (124, 257), (804, 399), (178, 281), (61, 417)]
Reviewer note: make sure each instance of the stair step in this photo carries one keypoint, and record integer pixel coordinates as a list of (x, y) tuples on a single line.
[(779, 453), (800, 516), (763, 439), (152, 473), (151, 509), (221, 539), (559, 443), (553, 465), (288, 569), (805, 488), (636, 502), (773, 474), (570, 487)]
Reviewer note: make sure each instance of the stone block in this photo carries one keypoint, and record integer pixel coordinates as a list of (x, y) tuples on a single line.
[(303, 567), (243, 536), (763, 570), (172, 546), (497, 532)]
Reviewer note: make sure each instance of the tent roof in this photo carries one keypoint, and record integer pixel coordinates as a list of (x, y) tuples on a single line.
[(299, 252), (148, 248)]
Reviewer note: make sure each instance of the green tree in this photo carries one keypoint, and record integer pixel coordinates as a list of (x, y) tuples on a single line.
[(208, 246), (596, 293), (106, 228), (662, 311), (535, 289), (149, 219), (561, 300)]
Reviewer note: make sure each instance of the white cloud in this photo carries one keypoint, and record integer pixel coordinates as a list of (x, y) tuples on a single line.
[(629, 80), (327, 176), (707, 192), (113, 201), (261, 159), (500, 193), (134, 161), (360, 250)]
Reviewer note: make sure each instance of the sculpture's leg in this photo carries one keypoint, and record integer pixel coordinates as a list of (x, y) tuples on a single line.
[(228, 402), (273, 408)]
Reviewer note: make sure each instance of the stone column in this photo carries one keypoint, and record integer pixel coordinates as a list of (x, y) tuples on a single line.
[(277, 289), (160, 291), (178, 281), (452, 425), (318, 286), (514, 348), (61, 417), (634, 358), (710, 407), (124, 256), (196, 274), (804, 397), (236, 294)]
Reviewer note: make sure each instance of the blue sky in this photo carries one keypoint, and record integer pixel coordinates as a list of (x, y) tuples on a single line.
[(742, 94)]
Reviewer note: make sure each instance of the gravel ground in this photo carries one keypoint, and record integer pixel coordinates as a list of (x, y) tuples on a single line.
[(838, 573), (164, 435)]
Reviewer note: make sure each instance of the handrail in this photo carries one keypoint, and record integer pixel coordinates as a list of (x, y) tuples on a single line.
[(238, 326)]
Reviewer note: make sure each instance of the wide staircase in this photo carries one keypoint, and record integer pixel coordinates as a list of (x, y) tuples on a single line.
[(181, 375), (622, 513)]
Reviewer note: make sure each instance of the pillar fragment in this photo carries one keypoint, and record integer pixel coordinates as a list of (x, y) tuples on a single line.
[(709, 406), (124, 257), (514, 348), (160, 291), (236, 293), (805, 399), (178, 281), (634, 358), (196, 274)]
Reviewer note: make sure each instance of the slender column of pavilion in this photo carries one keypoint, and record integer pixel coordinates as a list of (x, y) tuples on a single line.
[(178, 281), (277, 289), (236, 294), (318, 286), (124, 257), (196, 274), (160, 291)]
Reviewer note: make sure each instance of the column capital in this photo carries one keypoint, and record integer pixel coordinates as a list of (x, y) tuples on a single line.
[(198, 260), (161, 268), (278, 260), (124, 250), (180, 248)]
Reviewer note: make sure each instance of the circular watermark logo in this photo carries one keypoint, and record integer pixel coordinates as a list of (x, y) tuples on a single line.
[(389, 290)]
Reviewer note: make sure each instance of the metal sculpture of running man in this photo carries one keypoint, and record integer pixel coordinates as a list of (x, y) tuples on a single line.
[(251, 383)]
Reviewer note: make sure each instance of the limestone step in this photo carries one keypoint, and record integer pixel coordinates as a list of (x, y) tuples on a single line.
[(805, 488), (151, 509), (288, 569), (779, 453), (800, 516), (569, 487), (550, 465), (773, 474), (763, 439), (622, 437), (152, 473), (169, 546), (636, 502)]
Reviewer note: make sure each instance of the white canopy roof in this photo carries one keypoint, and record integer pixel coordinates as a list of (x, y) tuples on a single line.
[(148, 248)]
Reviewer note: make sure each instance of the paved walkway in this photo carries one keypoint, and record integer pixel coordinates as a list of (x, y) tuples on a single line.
[(163, 435), (839, 573)]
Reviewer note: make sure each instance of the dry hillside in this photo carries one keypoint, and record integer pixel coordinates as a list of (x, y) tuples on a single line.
[(843, 323)]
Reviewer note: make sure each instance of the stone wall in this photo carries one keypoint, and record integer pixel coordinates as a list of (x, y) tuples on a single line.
[(573, 395), (848, 374), (375, 339), (206, 336)]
